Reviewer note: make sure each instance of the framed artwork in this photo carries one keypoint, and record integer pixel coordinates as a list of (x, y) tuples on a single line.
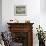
[(20, 10)]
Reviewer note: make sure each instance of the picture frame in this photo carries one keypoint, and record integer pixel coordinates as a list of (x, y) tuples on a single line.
[(20, 10)]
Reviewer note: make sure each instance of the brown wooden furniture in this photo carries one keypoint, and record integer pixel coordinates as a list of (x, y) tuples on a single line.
[(22, 33)]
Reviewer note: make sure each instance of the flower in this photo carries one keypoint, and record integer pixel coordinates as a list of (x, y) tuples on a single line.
[(40, 33)]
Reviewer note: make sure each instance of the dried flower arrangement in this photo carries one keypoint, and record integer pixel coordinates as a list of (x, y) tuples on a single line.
[(41, 36)]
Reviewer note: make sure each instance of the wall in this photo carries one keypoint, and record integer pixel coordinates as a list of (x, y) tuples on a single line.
[(43, 14), (43, 6), (33, 10), (33, 13), (0, 15)]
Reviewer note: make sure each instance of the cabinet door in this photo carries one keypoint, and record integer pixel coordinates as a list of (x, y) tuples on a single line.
[(20, 37)]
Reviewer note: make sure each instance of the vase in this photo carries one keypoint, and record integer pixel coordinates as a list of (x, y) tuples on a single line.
[(41, 43)]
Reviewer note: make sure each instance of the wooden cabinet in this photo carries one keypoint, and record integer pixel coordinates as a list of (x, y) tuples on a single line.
[(22, 33)]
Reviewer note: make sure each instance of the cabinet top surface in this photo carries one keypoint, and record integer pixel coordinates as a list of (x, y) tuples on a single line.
[(20, 23)]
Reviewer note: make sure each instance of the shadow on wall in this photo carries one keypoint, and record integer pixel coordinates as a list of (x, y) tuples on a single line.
[(43, 6), (0, 15)]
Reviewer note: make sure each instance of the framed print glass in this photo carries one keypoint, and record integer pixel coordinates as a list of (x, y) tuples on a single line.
[(20, 10)]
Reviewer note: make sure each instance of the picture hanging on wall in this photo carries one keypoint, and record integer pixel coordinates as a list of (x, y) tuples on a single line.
[(20, 10)]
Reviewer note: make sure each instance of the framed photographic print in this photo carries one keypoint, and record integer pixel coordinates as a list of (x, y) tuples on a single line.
[(20, 10)]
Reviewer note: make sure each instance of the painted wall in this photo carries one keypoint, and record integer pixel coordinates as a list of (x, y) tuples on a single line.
[(43, 6), (0, 15), (43, 14), (33, 13)]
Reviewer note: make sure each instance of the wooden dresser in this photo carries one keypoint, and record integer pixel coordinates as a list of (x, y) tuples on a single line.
[(22, 33)]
